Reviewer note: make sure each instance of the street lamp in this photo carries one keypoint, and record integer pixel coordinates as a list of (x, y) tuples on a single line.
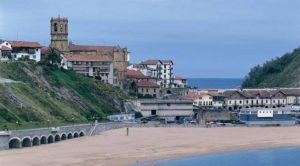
[(73, 120), (17, 123), (48, 121)]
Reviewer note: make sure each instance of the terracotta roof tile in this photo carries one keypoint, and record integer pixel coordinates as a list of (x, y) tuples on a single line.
[(135, 74), (167, 61), (74, 47), (44, 50), (4, 48), (87, 57), (147, 84), (291, 92), (24, 44), (150, 62), (179, 78)]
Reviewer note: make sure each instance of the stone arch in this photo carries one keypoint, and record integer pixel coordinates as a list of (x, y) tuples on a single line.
[(35, 141), (81, 134), (57, 138), (274, 106), (43, 140), (266, 106), (15, 142), (50, 139), (70, 136), (63, 136), (26, 142), (75, 135)]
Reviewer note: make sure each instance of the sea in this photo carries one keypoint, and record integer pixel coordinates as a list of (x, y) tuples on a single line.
[(215, 83), (283, 156)]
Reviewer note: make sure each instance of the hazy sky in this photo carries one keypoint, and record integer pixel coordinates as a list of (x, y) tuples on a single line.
[(205, 38)]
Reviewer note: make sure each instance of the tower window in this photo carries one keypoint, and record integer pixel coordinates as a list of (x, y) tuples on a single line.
[(55, 27), (61, 27)]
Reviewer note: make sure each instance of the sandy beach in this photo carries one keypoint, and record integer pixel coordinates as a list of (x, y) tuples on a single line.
[(114, 148)]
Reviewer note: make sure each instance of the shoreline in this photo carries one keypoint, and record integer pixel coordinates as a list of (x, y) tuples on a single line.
[(151, 162), (213, 152), (151, 144)]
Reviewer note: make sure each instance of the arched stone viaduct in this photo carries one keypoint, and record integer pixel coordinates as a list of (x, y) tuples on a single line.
[(36, 137)]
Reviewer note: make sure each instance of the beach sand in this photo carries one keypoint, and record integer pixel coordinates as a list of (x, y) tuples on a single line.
[(114, 148)]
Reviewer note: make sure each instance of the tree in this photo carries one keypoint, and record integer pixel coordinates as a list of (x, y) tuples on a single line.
[(52, 56)]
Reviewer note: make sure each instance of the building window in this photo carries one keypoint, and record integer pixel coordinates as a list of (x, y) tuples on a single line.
[(154, 90), (147, 90), (142, 89), (165, 71)]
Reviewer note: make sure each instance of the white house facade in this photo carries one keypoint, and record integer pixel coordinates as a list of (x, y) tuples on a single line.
[(22, 49)]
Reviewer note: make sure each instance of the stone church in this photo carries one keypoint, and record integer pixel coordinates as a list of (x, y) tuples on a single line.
[(59, 40)]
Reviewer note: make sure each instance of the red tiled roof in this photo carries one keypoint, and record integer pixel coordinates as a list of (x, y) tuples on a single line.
[(87, 57), (135, 74), (4, 48), (150, 62), (147, 84), (167, 61), (74, 47), (179, 78), (44, 50), (24, 44), (291, 92)]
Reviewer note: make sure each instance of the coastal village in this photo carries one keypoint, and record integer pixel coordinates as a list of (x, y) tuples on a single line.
[(154, 89)]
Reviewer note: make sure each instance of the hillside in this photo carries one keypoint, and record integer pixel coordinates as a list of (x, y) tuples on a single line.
[(280, 72), (32, 94)]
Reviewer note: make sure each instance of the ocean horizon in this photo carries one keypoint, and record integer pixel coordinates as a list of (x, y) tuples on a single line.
[(278, 156), (215, 83)]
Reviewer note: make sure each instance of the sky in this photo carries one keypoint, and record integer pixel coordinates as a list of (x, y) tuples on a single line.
[(206, 39)]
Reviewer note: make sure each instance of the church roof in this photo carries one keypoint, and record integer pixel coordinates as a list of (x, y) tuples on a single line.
[(74, 47), (87, 57)]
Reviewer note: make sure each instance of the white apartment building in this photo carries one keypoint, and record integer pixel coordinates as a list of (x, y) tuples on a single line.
[(167, 73), (161, 69)]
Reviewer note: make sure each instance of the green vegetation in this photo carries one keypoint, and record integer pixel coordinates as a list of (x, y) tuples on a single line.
[(44, 93), (280, 72)]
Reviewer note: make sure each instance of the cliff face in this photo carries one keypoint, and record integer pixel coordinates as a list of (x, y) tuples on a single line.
[(280, 72), (36, 95)]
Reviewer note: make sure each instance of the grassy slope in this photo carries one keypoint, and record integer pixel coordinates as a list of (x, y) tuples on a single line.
[(281, 72), (44, 93)]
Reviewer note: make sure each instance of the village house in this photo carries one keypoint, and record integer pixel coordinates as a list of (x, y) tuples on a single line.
[(212, 100), (100, 67), (140, 84), (23, 49), (147, 88), (179, 82), (5, 53)]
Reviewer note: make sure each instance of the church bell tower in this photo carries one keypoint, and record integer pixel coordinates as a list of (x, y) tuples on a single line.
[(59, 33)]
